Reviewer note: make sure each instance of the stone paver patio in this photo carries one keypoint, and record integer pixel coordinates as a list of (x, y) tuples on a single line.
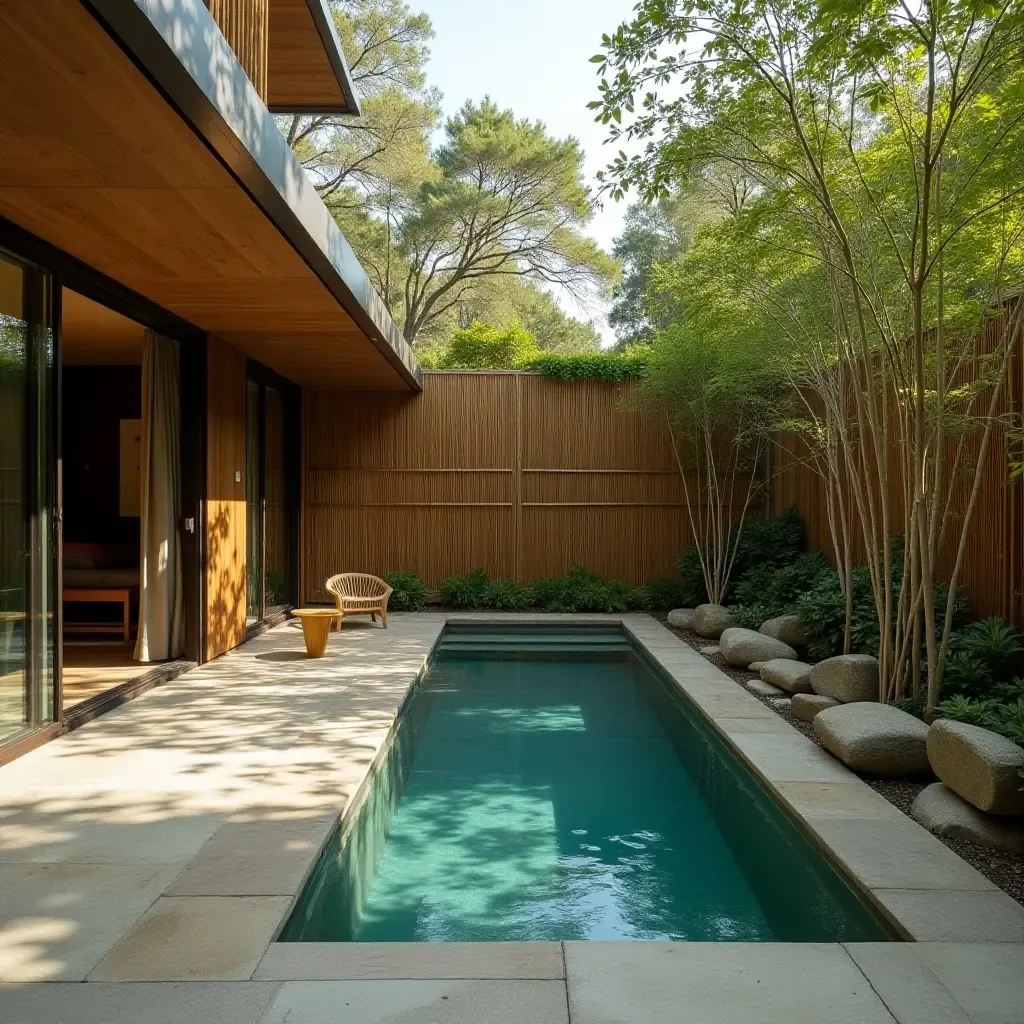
[(155, 852)]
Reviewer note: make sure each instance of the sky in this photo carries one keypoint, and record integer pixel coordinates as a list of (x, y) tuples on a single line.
[(531, 56)]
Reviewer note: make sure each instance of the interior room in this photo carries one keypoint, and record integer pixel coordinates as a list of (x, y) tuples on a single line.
[(101, 427)]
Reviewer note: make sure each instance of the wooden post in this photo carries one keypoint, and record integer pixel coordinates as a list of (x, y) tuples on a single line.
[(245, 24)]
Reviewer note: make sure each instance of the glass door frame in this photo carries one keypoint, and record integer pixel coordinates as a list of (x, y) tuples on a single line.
[(40, 451), (264, 378), (66, 271)]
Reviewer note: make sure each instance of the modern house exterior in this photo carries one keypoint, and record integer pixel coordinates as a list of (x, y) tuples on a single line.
[(151, 210)]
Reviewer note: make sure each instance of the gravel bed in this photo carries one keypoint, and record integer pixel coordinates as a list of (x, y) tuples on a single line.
[(1003, 869)]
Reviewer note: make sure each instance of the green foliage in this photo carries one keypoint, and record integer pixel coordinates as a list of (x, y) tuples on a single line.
[(970, 710), (484, 347), (663, 594), (465, 591), (767, 591), (506, 595), (764, 545), (408, 591), (609, 366), (993, 642)]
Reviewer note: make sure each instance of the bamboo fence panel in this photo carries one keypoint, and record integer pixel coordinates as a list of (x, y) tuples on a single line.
[(522, 474)]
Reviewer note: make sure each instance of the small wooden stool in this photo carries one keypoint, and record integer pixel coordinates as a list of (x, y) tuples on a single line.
[(316, 625)]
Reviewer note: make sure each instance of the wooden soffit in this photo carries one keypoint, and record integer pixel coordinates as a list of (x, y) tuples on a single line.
[(133, 140), (306, 70)]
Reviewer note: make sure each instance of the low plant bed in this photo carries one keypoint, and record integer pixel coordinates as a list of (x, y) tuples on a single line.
[(1003, 869)]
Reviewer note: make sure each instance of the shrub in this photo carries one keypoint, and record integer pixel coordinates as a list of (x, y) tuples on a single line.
[(822, 610), (408, 591), (966, 709), (506, 595), (663, 594), (994, 642), (607, 366), (486, 347), (764, 544), (767, 590), (465, 591)]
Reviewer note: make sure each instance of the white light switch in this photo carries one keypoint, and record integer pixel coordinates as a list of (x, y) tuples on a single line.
[(238, 476)]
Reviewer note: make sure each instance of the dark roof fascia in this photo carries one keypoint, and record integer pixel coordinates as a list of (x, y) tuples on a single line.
[(324, 21), (180, 48)]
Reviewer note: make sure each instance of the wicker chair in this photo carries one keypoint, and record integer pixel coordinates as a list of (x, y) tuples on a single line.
[(359, 593)]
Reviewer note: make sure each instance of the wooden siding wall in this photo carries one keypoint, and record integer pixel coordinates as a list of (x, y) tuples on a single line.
[(516, 472), (245, 25), (993, 572), (225, 502)]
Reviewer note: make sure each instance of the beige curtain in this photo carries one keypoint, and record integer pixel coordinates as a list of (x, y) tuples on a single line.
[(160, 625)]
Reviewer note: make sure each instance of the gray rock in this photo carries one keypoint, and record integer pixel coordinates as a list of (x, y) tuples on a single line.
[(979, 765), (875, 738), (787, 628), (742, 646), (711, 620), (681, 618), (791, 676), (846, 678), (755, 666), (763, 689), (780, 703), (941, 811), (807, 705), (711, 650)]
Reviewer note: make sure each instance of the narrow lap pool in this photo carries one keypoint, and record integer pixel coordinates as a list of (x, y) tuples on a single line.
[(545, 784)]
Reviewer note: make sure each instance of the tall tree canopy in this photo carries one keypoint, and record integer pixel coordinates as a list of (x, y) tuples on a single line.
[(508, 201)]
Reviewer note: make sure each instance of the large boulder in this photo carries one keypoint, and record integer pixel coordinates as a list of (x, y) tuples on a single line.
[(979, 765), (742, 646), (763, 689), (791, 676), (941, 811), (874, 738), (806, 705), (787, 628), (711, 620), (846, 678), (681, 618)]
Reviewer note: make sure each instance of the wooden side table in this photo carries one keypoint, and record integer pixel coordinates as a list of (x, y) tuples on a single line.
[(111, 595), (316, 626)]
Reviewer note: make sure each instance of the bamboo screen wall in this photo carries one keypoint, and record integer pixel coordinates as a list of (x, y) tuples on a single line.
[(993, 571), (513, 471)]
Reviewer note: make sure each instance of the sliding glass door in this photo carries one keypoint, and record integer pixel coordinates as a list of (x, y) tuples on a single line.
[(271, 496), (28, 551)]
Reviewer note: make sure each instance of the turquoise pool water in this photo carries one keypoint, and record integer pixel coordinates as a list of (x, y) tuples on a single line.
[(551, 785)]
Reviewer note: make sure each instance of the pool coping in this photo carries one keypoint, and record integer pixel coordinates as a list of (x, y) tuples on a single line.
[(916, 883)]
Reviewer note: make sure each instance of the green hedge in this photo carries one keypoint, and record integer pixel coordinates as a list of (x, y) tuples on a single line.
[(607, 366)]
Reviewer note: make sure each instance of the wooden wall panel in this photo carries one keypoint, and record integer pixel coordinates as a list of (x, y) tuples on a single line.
[(225, 503), (245, 24), (519, 473)]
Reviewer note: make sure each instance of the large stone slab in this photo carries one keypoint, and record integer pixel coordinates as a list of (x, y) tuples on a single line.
[(681, 618), (874, 738), (711, 620), (763, 689), (979, 765), (787, 628), (791, 676), (941, 811), (195, 938), (846, 678), (419, 1002), (806, 705), (717, 983), (742, 646), (392, 961)]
